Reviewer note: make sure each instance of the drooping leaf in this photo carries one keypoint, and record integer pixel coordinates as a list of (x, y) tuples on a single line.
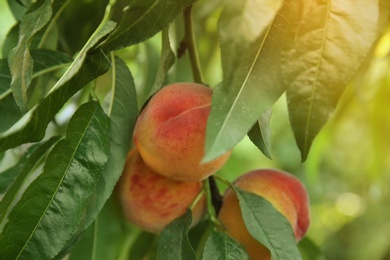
[(144, 247), (174, 242), (149, 71), (255, 85), (123, 113), (44, 218), (309, 249), (39, 38), (45, 61), (9, 175), (105, 238), (220, 245), (260, 133), (31, 127), (167, 59), (19, 60), (74, 68), (11, 40), (26, 164), (5, 76), (9, 111), (240, 24), (143, 19), (18, 8), (268, 226), (331, 43)]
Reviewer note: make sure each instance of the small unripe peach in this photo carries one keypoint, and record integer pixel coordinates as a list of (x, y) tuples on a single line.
[(170, 132), (283, 190), (151, 200)]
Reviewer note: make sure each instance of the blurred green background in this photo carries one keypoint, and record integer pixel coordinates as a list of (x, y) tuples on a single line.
[(347, 172)]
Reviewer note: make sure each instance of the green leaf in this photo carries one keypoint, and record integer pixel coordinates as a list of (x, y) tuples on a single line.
[(22, 170), (254, 87), (123, 113), (48, 60), (38, 40), (19, 60), (143, 19), (268, 226), (9, 111), (45, 61), (8, 176), (260, 133), (167, 59), (220, 245), (42, 221), (329, 46), (18, 8), (247, 19), (32, 126), (174, 242), (11, 40), (309, 249), (102, 240), (144, 247), (5, 76), (100, 33)]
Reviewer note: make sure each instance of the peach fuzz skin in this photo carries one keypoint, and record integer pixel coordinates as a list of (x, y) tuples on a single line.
[(152, 201), (170, 132), (284, 191)]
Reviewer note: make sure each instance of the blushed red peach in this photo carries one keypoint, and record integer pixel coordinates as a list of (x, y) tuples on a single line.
[(283, 190), (170, 132), (151, 200)]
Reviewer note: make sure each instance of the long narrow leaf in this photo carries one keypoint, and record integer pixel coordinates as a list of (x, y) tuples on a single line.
[(45, 61), (332, 41), (43, 220), (31, 127), (240, 24), (101, 241), (18, 8), (174, 242), (220, 245), (268, 226), (260, 133), (123, 113), (23, 169), (143, 19), (167, 59), (254, 87), (19, 60)]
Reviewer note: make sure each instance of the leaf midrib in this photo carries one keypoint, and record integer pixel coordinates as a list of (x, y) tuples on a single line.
[(58, 186), (137, 21), (266, 235), (319, 65), (216, 140)]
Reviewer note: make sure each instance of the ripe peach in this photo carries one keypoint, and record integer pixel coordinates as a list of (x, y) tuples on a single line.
[(170, 132), (151, 200), (284, 191)]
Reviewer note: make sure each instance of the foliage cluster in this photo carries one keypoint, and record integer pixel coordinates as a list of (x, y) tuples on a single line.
[(74, 75)]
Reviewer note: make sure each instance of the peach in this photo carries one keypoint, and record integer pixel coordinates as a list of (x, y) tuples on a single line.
[(170, 132), (152, 201), (283, 190)]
